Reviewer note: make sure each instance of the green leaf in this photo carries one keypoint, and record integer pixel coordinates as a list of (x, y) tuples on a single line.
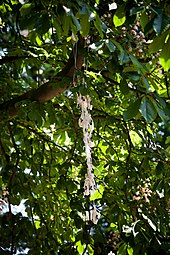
[(15, 200), (134, 76), (132, 110), (76, 22), (153, 83), (97, 194), (124, 86), (85, 24), (148, 110), (140, 67), (159, 169), (35, 116), (144, 19), (42, 24), (80, 247), (97, 23), (160, 111), (135, 10), (38, 40), (165, 56), (84, 10), (146, 83), (110, 45), (122, 249), (57, 26), (160, 22), (160, 101), (66, 24), (130, 250), (149, 26), (135, 138), (105, 29), (26, 9), (71, 186), (123, 56), (90, 249), (119, 17), (37, 224), (158, 43)]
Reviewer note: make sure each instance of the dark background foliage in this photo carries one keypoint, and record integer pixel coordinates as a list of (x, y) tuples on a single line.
[(119, 54)]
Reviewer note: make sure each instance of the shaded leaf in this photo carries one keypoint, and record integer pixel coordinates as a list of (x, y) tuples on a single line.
[(85, 24), (140, 67), (122, 249), (110, 45), (135, 10), (42, 24), (98, 25), (148, 110), (146, 83), (160, 111), (144, 19), (132, 110), (160, 22), (124, 87)]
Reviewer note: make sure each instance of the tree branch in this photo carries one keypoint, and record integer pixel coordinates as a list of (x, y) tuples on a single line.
[(11, 59), (53, 87)]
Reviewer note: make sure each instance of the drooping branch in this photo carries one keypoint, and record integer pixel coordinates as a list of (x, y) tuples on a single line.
[(53, 87)]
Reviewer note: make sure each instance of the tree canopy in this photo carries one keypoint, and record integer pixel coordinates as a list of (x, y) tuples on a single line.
[(117, 56)]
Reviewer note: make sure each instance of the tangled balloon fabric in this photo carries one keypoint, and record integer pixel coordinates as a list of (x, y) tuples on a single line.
[(87, 124)]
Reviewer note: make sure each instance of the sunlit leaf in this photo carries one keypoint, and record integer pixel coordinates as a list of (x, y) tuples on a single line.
[(119, 17), (80, 247), (158, 43), (97, 194), (135, 138), (130, 250), (165, 56), (26, 9)]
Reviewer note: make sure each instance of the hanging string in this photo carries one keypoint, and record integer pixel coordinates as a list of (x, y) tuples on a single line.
[(87, 124)]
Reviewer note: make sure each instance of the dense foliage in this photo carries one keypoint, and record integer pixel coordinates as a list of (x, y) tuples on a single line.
[(119, 54)]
